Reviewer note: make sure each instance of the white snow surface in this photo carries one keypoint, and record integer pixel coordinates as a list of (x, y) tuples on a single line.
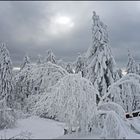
[(40, 128)]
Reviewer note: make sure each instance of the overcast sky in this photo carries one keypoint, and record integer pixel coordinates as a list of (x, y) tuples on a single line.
[(65, 27)]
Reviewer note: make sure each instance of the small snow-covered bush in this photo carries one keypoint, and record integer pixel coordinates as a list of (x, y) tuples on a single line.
[(7, 116), (109, 120), (108, 124), (31, 102), (114, 127), (114, 107), (73, 100), (96, 123), (125, 92)]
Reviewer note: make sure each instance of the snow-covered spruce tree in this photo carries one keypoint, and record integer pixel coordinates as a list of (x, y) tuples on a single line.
[(79, 64), (100, 64), (22, 86), (131, 66), (138, 68), (50, 57), (39, 60), (26, 61), (69, 67), (7, 115), (6, 84), (72, 100), (119, 74)]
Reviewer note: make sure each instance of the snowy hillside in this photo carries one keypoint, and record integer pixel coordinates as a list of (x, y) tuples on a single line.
[(39, 128), (34, 128)]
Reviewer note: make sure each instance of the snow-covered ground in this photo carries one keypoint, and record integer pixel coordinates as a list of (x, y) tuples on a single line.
[(40, 128), (34, 128)]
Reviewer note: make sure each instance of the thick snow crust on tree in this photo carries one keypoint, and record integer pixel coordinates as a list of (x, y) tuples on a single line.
[(69, 67), (114, 127), (35, 79), (7, 115), (100, 65), (26, 61), (73, 100), (125, 92), (50, 57), (131, 66), (80, 64), (114, 107), (6, 83), (109, 121), (108, 124), (39, 60)]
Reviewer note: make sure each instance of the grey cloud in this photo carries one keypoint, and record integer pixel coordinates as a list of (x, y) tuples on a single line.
[(21, 27)]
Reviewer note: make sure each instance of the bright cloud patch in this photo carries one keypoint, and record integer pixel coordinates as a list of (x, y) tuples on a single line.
[(60, 24)]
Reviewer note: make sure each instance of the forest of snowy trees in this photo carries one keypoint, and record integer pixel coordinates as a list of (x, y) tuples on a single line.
[(91, 95)]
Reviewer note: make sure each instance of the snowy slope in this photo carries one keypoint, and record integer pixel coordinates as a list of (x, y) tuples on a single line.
[(39, 128), (131, 133)]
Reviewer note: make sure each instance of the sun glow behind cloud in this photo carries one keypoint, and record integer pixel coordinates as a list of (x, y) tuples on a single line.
[(60, 25), (64, 21)]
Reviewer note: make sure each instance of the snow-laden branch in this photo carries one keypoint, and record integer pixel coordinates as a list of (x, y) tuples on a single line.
[(131, 78)]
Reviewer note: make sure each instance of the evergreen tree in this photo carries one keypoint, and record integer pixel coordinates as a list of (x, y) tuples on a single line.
[(131, 66), (6, 85), (138, 69), (39, 60), (100, 64), (26, 61), (69, 67), (50, 57), (79, 66)]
